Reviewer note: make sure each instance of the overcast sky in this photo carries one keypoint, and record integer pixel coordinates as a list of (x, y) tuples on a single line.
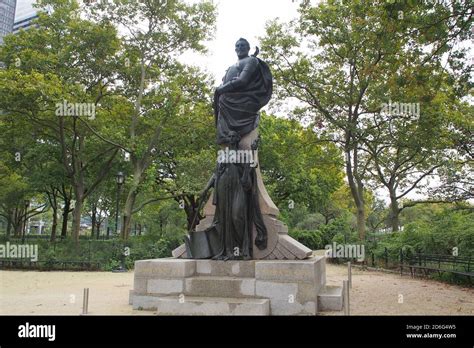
[(241, 18)]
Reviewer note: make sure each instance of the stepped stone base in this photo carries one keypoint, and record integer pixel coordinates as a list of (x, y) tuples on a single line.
[(191, 305), (330, 299), (257, 287)]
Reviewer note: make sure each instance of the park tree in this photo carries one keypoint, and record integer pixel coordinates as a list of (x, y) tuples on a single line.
[(155, 87), (338, 58), (20, 195), (65, 60), (188, 158), (298, 168), (457, 177), (100, 206), (406, 149)]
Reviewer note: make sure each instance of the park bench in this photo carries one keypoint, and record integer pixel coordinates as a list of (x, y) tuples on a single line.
[(460, 265)]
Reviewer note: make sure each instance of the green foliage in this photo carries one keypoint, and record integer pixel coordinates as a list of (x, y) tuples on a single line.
[(109, 254), (339, 230), (294, 168), (343, 60), (435, 232), (311, 239)]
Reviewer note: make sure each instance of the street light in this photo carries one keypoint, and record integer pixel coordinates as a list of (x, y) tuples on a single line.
[(119, 179), (27, 204)]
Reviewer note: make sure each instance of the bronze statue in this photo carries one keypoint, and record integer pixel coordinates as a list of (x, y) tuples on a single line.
[(245, 89)]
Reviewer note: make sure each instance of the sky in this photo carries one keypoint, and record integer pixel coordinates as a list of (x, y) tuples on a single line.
[(242, 18)]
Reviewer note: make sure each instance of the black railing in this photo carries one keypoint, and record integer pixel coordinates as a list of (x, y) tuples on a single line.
[(425, 264), (82, 265)]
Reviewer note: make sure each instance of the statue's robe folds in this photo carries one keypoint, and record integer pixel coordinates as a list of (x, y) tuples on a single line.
[(247, 87)]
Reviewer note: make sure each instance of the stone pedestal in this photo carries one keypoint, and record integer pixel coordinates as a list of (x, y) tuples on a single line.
[(207, 287)]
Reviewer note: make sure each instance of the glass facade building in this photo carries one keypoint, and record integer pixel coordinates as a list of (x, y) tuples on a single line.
[(25, 13), (7, 17)]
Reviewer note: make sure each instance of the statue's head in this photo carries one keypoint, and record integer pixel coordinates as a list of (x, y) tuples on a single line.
[(233, 139), (242, 48)]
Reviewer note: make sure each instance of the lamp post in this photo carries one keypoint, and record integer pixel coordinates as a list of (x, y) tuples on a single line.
[(119, 179), (27, 204)]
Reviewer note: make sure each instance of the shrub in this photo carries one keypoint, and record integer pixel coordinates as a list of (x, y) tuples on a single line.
[(311, 239)]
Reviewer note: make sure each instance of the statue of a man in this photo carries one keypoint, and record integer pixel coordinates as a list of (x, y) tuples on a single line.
[(245, 89)]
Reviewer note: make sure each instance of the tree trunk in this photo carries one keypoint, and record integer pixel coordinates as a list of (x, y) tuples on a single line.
[(357, 191), (394, 213), (24, 223), (131, 198), (52, 198), (361, 223), (93, 221), (9, 226), (127, 214), (55, 224), (67, 206), (361, 213), (18, 222), (76, 222)]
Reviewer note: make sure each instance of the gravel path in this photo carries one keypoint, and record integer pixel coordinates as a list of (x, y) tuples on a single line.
[(373, 293), (61, 292), (380, 293)]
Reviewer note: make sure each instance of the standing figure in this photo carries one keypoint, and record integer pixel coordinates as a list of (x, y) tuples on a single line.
[(246, 88)]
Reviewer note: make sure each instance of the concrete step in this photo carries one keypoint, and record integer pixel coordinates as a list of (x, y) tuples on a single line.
[(226, 268), (237, 287), (330, 298), (201, 305)]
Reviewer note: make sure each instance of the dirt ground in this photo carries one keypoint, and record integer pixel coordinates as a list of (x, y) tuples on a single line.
[(372, 293), (380, 293)]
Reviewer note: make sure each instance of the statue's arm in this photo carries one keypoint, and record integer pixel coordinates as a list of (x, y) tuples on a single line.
[(243, 79), (210, 184)]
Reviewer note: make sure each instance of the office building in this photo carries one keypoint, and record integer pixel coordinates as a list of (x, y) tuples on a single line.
[(7, 17), (25, 14)]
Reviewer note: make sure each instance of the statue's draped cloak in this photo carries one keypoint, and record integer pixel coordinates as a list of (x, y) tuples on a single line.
[(239, 110)]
